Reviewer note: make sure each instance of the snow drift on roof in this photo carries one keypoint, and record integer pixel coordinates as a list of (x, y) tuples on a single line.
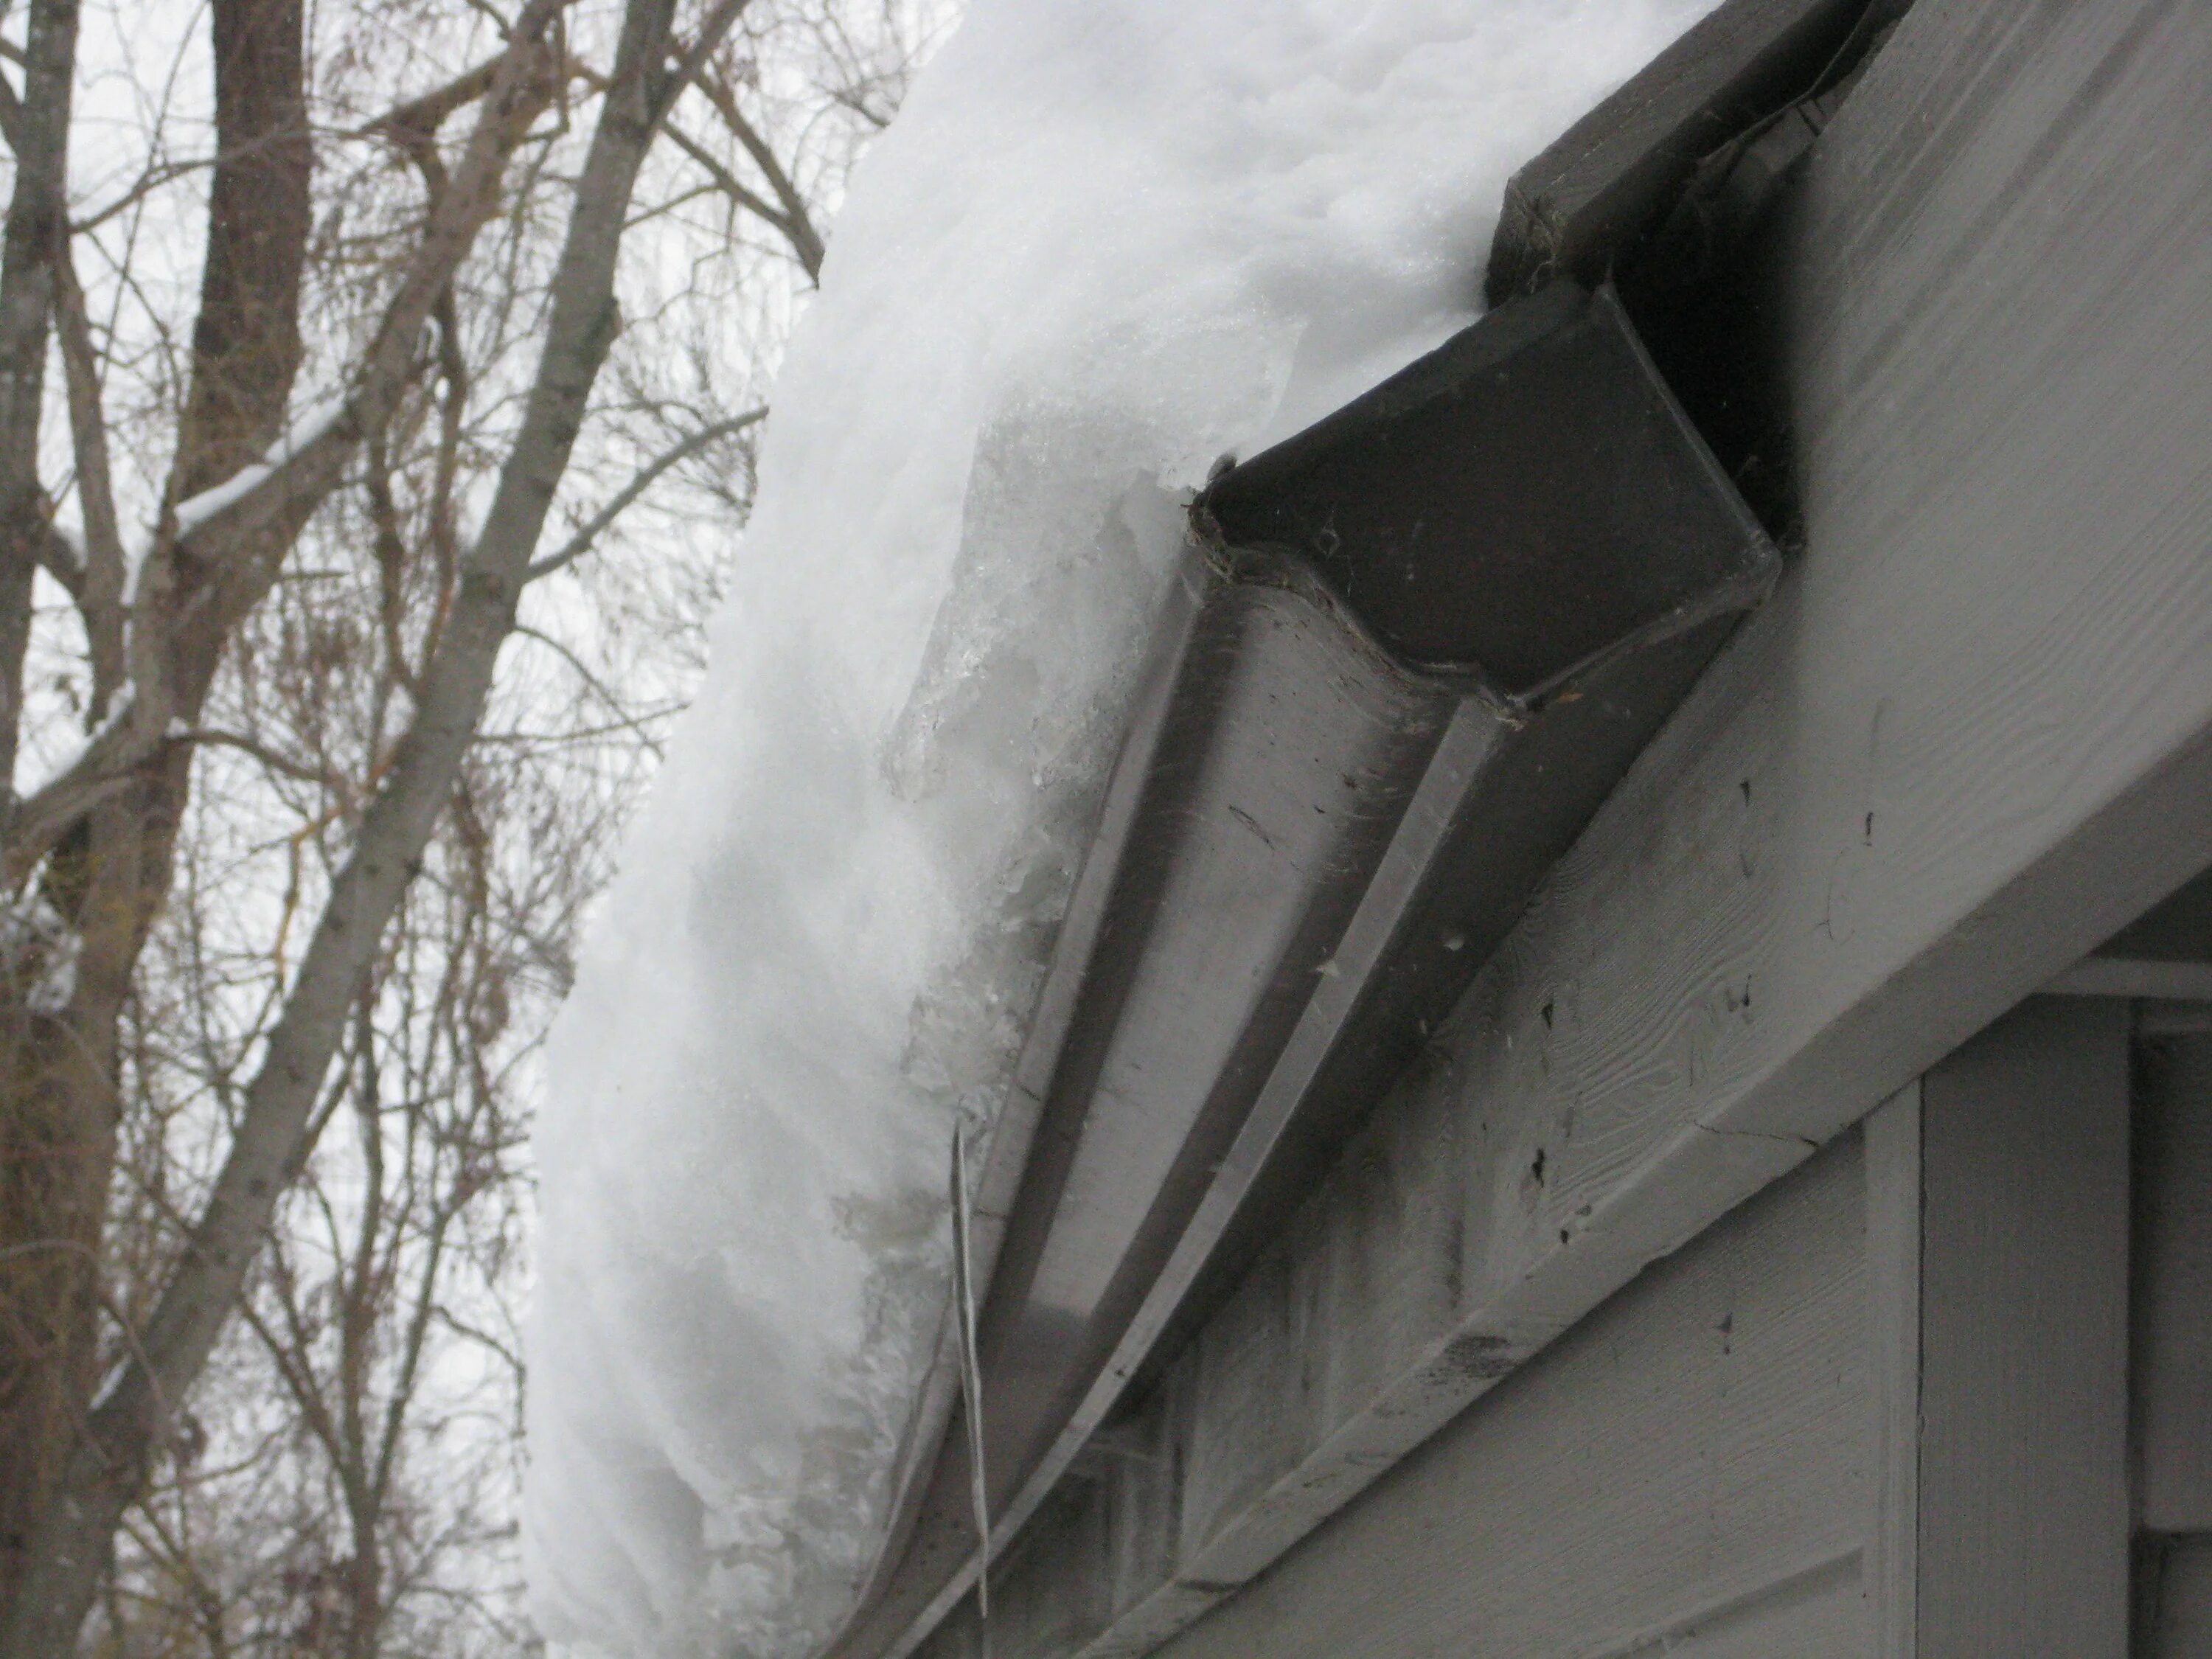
[(1107, 241)]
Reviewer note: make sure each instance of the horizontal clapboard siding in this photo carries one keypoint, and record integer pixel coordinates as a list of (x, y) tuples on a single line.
[(1686, 1467)]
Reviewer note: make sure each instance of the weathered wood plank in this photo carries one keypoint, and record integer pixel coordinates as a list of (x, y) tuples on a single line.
[(1970, 737), (2173, 1370), (2023, 1479), (1695, 1444)]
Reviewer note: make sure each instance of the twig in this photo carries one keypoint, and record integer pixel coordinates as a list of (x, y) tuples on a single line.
[(579, 543)]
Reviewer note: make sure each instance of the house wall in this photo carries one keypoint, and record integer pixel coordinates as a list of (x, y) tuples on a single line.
[(1685, 1471), (1944, 1389)]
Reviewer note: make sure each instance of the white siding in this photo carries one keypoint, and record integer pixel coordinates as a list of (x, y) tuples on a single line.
[(1694, 1445)]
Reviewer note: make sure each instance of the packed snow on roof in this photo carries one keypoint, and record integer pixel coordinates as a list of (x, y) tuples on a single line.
[(1106, 242)]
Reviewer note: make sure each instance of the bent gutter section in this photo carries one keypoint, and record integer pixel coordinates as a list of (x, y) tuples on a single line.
[(1411, 651), (1533, 740)]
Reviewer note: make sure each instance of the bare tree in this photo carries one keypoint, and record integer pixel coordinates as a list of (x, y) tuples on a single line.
[(304, 663), (50, 1230)]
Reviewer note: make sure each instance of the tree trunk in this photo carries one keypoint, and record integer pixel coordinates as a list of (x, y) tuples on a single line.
[(108, 1468), (38, 219), (105, 881), (109, 871), (246, 343), (48, 1238)]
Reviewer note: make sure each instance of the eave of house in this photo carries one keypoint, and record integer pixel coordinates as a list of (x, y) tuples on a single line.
[(1336, 798)]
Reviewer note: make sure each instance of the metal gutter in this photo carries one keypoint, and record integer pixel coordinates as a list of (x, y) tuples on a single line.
[(1411, 651), (1664, 180), (1593, 199)]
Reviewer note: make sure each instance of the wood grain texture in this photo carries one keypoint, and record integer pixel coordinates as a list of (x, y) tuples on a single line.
[(1319, 1329), (1696, 1443), (2173, 1369), (2023, 1533), (1970, 739)]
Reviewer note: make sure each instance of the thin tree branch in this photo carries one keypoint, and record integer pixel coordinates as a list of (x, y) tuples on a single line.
[(622, 717), (37, 221), (580, 544), (410, 1356), (417, 120), (796, 222), (729, 182), (275, 760), (99, 598)]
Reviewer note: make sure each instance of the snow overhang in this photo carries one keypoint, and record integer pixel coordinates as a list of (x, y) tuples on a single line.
[(1410, 651)]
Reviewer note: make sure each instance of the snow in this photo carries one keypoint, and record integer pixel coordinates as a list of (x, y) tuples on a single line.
[(308, 428), (1107, 241)]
